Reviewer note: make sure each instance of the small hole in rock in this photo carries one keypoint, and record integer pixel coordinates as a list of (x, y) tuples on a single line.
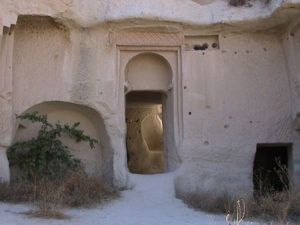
[(214, 45), (21, 126), (184, 87), (190, 113), (235, 52), (205, 46)]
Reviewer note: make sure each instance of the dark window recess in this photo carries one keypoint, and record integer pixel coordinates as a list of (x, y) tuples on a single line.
[(270, 169)]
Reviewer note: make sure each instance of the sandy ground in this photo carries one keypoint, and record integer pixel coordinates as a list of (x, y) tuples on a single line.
[(151, 201)]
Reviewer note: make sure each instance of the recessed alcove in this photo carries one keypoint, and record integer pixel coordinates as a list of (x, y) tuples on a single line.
[(271, 168), (144, 137), (97, 162)]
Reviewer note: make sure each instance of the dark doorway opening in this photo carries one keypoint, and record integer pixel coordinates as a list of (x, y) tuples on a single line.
[(271, 168), (144, 137)]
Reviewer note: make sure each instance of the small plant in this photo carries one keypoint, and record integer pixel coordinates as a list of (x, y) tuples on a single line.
[(45, 156), (51, 177), (238, 215), (268, 203)]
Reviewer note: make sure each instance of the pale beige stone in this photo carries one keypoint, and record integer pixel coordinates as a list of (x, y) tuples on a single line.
[(230, 77), (4, 167)]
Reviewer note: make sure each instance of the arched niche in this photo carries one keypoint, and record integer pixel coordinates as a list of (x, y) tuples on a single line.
[(98, 161), (148, 71)]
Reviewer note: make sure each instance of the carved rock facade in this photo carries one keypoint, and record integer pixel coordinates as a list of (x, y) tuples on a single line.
[(228, 79)]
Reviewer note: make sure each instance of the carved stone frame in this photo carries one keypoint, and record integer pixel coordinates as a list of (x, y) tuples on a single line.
[(172, 54)]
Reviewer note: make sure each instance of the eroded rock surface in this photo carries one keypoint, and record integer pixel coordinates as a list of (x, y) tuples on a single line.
[(229, 76)]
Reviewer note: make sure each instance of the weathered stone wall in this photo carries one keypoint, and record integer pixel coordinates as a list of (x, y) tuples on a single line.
[(41, 49), (291, 44), (222, 101), (238, 96)]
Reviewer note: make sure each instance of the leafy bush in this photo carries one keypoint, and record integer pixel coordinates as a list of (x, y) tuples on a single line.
[(46, 155), (52, 177)]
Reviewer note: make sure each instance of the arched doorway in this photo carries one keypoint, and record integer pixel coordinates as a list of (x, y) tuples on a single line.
[(149, 114)]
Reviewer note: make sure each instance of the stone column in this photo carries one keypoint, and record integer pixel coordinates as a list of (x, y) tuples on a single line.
[(7, 120)]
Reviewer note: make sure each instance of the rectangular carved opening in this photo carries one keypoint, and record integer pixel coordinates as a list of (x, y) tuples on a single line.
[(271, 168), (202, 43), (144, 139)]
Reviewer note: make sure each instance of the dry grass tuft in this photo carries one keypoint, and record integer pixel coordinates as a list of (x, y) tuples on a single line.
[(282, 207), (80, 190), (16, 191), (279, 206), (50, 214), (209, 203), (50, 196), (269, 202)]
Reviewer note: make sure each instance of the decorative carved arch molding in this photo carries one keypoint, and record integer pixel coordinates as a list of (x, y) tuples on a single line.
[(158, 48)]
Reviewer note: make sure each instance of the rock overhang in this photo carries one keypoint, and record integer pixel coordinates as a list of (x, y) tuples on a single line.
[(218, 14)]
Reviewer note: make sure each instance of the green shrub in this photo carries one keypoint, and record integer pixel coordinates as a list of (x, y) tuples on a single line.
[(45, 156)]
